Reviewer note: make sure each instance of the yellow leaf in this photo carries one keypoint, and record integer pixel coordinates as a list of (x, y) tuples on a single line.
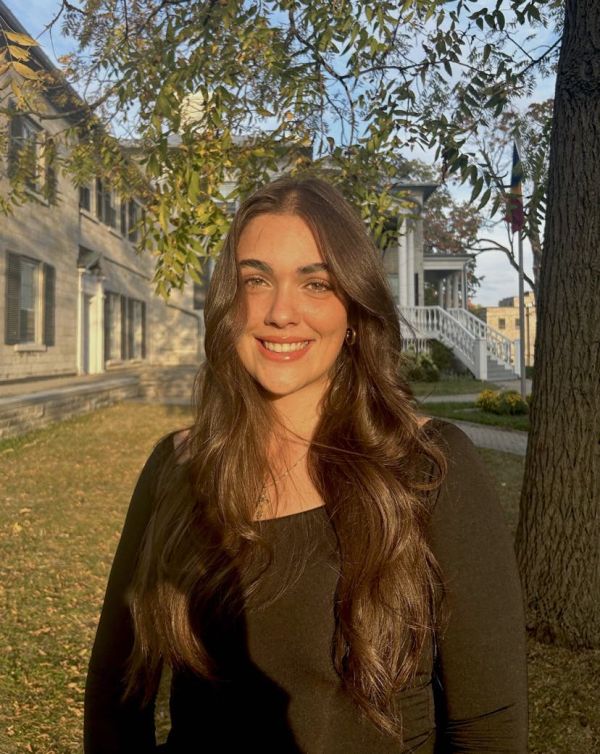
[(21, 39), (16, 89), (18, 52), (25, 70), (4, 68)]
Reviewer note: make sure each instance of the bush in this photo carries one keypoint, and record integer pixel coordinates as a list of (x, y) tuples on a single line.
[(441, 356), (431, 373), (486, 401), (502, 402), (419, 367)]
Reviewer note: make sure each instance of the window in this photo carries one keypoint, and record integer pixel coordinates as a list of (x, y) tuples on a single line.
[(133, 328), (29, 301), (134, 216), (105, 204), (501, 323), (85, 198), (32, 156), (131, 218), (112, 327)]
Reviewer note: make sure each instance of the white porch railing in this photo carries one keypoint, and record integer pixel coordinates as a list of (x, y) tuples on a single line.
[(435, 322), (499, 346)]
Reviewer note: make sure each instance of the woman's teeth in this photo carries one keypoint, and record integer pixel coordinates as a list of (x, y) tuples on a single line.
[(284, 347)]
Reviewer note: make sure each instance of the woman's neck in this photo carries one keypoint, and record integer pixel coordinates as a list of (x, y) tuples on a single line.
[(298, 417)]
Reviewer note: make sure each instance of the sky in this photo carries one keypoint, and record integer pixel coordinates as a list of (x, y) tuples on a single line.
[(500, 279)]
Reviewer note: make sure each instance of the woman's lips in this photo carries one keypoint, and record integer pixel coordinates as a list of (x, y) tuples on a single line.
[(284, 356)]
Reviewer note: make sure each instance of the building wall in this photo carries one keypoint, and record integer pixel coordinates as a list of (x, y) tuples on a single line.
[(47, 233), (53, 233), (505, 319)]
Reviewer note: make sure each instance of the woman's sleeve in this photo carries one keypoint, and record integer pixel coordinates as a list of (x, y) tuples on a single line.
[(111, 726), (480, 671)]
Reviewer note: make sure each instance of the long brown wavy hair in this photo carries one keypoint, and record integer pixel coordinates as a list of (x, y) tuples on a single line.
[(369, 459)]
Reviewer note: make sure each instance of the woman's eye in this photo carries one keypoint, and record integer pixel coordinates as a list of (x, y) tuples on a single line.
[(320, 285), (253, 282)]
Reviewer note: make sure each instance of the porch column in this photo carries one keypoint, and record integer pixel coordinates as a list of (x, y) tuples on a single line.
[(402, 259), (410, 264), (455, 276), (465, 290), (448, 297), (80, 274), (440, 291)]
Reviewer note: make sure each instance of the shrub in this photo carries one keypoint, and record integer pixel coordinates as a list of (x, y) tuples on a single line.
[(510, 402), (503, 402), (441, 356), (419, 367), (431, 373), (486, 401)]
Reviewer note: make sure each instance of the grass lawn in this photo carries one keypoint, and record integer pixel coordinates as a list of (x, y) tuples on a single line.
[(469, 413), (64, 496), (453, 386)]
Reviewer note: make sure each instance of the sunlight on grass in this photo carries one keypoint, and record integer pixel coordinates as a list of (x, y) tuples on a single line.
[(65, 492)]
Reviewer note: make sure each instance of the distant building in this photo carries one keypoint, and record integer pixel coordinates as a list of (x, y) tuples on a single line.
[(75, 295), (505, 319)]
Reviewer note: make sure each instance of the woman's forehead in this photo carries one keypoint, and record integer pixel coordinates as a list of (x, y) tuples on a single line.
[(278, 238)]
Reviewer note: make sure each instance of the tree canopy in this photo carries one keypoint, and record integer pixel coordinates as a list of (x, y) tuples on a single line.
[(220, 94)]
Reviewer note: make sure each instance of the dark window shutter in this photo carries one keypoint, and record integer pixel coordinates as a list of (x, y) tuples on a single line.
[(99, 199), (49, 304), (14, 144), (123, 217), (108, 325), (51, 182), (124, 354), (130, 330), (143, 329), (85, 201), (13, 291)]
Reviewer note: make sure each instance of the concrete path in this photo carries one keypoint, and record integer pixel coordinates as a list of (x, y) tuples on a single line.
[(494, 438), (482, 435)]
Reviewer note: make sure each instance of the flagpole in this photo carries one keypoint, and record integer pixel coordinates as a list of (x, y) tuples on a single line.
[(522, 320)]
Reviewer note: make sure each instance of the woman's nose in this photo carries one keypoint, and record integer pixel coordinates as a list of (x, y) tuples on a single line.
[(283, 307)]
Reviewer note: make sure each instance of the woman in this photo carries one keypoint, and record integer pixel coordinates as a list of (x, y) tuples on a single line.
[(321, 569)]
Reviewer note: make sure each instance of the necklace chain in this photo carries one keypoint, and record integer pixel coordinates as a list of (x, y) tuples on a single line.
[(263, 498)]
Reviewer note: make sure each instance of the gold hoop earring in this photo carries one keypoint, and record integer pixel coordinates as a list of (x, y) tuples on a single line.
[(350, 336)]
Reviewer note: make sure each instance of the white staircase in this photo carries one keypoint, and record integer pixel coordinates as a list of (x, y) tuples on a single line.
[(485, 352)]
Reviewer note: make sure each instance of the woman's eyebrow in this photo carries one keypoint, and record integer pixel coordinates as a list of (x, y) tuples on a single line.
[(264, 267)]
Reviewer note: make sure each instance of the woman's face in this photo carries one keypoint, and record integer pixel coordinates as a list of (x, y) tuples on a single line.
[(296, 323)]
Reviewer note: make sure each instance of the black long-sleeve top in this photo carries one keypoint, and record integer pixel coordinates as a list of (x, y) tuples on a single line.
[(285, 695)]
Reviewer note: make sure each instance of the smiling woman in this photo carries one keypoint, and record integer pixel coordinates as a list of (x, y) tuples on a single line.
[(323, 570), (293, 317)]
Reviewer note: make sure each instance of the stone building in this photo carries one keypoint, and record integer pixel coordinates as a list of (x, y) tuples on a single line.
[(505, 319), (76, 297)]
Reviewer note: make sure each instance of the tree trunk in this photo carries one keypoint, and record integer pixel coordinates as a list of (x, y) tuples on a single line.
[(537, 252), (558, 537)]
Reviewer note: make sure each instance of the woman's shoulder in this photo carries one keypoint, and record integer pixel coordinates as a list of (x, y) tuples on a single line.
[(452, 438), (170, 446)]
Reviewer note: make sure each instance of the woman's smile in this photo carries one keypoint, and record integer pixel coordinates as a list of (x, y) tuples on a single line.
[(284, 351)]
